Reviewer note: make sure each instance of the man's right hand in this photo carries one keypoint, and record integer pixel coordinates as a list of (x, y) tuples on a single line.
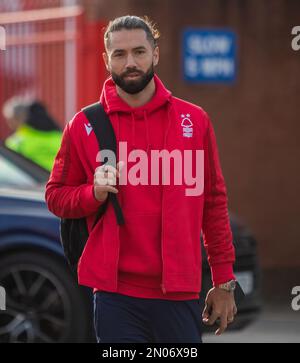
[(105, 180)]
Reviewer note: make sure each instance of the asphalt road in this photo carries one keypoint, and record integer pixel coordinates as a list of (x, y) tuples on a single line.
[(276, 324)]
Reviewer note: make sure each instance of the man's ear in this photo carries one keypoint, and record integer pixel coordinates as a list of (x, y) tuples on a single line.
[(156, 56), (105, 58)]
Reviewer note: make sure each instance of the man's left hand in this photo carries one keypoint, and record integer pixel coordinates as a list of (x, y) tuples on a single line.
[(219, 304)]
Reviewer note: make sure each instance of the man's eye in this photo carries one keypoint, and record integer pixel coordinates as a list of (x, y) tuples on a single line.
[(140, 51)]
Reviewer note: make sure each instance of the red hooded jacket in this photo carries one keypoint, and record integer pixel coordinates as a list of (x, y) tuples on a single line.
[(157, 253)]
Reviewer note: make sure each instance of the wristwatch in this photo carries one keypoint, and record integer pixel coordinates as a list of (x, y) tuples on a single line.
[(228, 286)]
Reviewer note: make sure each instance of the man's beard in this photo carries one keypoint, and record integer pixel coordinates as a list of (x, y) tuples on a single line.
[(135, 86)]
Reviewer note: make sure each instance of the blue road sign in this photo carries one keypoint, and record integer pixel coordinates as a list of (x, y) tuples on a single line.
[(209, 55)]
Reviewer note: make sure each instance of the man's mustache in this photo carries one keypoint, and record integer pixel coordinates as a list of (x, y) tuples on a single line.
[(129, 73)]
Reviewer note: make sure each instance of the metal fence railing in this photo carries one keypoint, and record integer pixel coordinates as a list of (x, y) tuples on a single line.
[(41, 58)]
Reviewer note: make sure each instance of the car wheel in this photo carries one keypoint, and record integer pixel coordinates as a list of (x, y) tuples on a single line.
[(43, 301)]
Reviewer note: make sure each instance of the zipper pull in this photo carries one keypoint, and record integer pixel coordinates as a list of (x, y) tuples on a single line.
[(163, 289)]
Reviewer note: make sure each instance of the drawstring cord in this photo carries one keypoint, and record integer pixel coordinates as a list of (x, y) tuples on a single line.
[(147, 126), (169, 123), (132, 130), (147, 131)]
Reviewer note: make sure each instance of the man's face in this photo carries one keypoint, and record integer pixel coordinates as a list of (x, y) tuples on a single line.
[(130, 59)]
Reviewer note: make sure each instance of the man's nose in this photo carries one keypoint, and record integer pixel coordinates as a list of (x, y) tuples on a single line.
[(130, 62)]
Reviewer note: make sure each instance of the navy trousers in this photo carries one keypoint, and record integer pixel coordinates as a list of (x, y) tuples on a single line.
[(125, 319)]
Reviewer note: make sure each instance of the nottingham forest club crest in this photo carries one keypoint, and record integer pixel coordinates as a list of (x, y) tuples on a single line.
[(187, 125)]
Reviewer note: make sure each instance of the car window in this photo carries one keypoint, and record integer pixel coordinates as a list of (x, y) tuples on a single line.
[(12, 176)]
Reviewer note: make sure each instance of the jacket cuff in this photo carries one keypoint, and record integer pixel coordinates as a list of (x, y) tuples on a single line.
[(88, 200), (222, 273)]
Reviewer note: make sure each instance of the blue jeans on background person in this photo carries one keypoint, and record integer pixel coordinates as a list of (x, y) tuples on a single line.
[(125, 319)]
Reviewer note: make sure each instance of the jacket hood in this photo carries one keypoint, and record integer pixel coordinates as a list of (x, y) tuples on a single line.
[(112, 102), (115, 106)]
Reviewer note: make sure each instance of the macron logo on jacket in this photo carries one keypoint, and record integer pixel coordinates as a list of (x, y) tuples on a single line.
[(88, 129)]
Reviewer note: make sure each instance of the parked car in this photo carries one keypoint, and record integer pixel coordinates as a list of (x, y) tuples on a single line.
[(16, 171), (44, 301)]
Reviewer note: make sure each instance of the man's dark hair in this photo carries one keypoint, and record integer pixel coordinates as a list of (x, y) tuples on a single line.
[(130, 22)]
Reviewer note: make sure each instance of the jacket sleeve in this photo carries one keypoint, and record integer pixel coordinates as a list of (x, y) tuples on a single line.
[(68, 195), (217, 235)]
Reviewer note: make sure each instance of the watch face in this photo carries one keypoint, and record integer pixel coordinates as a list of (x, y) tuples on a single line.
[(232, 285)]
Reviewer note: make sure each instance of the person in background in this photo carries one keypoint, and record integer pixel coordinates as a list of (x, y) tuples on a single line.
[(36, 134)]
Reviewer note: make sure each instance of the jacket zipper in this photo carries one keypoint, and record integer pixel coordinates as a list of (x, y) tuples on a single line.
[(162, 216), (162, 245), (117, 267)]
